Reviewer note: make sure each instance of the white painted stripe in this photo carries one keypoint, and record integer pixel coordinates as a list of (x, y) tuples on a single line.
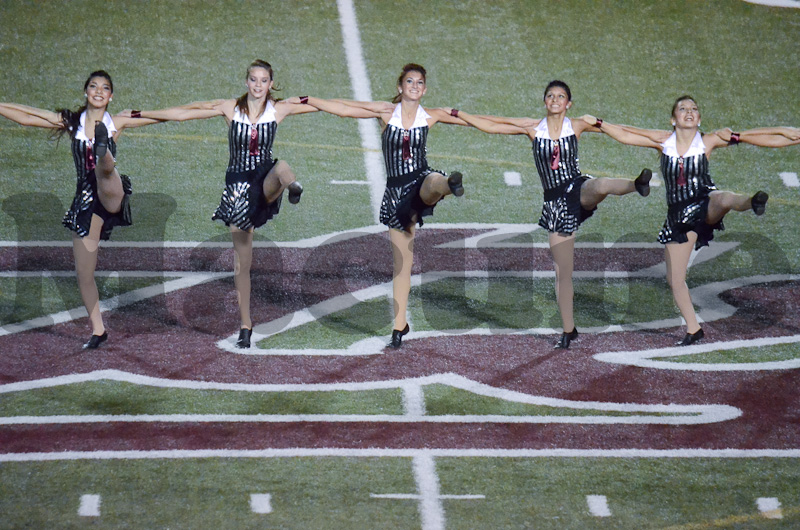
[(770, 507), (430, 506), (122, 300), (412, 496), (178, 454), (370, 137), (776, 3), (512, 178), (355, 182), (598, 505), (261, 503), (413, 400), (685, 414), (790, 180), (90, 506)]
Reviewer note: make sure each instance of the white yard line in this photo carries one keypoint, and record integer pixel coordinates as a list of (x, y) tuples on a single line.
[(370, 136), (430, 504)]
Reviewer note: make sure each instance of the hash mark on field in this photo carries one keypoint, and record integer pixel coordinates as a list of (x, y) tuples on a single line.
[(790, 179), (598, 505), (261, 503), (512, 178), (90, 506), (770, 507), (359, 182)]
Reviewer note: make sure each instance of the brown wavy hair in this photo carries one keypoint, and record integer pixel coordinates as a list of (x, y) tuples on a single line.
[(410, 67)]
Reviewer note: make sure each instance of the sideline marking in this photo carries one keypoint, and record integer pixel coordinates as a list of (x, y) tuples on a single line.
[(598, 505), (776, 3), (90, 506), (260, 503), (790, 180), (181, 454), (770, 507), (512, 178), (370, 138), (683, 414)]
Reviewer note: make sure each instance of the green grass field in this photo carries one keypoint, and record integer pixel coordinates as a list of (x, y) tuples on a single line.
[(625, 62)]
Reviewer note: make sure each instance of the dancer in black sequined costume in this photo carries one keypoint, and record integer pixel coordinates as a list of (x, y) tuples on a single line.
[(570, 197), (695, 206), (254, 181), (101, 199), (412, 188)]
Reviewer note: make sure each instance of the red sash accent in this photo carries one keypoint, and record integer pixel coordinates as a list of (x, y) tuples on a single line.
[(556, 158), (406, 146), (681, 173), (253, 141)]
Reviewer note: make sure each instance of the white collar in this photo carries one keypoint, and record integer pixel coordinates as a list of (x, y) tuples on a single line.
[(670, 147), (266, 117), (420, 120), (80, 134), (566, 129)]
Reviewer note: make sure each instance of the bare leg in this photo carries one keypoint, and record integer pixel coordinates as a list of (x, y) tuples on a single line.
[(243, 259), (402, 258), (109, 183), (84, 249), (563, 249), (278, 179), (721, 202), (436, 186), (677, 258), (594, 191)]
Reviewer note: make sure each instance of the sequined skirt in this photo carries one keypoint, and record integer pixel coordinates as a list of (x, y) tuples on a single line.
[(562, 212), (243, 204), (87, 203), (689, 216), (402, 206)]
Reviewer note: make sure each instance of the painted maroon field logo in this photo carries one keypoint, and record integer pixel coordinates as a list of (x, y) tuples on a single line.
[(176, 333)]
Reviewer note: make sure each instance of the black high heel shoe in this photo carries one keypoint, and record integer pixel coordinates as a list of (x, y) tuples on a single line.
[(100, 141), (397, 336), (759, 202), (95, 341), (566, 338), (691, 338), (295, 191), (244, 338), (642, 182), (454, 181)]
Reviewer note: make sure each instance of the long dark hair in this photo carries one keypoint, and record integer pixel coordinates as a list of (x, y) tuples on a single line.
[(683, 98), (71, 119), (410, 67), (559, 84), (241, 102)]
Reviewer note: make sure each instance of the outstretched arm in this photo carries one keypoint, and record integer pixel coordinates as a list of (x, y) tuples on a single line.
[(198, 110), (337, 107), (627, 135), (31, 116), (491, 126), (762, 137)]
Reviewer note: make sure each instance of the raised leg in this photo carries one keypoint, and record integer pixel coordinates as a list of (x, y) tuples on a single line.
[(436, 186), (721, 202), (279, 178), (594, 191)]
